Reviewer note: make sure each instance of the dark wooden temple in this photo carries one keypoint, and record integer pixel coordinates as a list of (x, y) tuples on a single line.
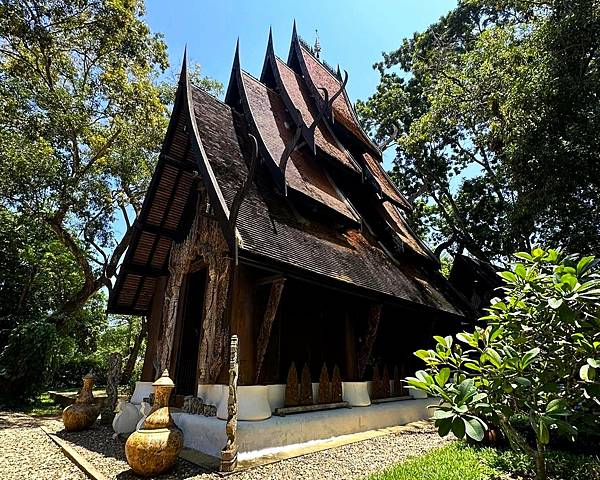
[(270, 216)]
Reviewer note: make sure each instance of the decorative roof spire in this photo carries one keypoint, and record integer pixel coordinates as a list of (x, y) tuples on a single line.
[(317, 47)]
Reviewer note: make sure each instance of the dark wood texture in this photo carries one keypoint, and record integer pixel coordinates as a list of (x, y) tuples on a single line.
[(306, 396), (154, 320), (369, 339), (324, 386), (336, 385), (267, 323), (282, 412), (292, 398), (385, 379)]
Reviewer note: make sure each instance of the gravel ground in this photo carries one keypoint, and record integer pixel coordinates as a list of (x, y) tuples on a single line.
[(353, 461), (28, 453)]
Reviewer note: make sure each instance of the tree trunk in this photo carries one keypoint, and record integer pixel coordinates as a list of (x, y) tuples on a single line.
[(540, 461), (516, 441), (134, 352)]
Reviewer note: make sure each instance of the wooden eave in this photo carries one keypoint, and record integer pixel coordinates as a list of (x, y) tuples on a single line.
[(293, 272), (146, 257)]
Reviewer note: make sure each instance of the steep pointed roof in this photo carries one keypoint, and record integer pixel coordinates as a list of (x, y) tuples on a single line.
[(274, 127), (324, 138), (318, 77), (332, 227)]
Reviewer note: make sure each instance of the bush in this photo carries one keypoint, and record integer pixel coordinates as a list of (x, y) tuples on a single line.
[(536, 358), (69, 374), (559, 464), (25, 362)]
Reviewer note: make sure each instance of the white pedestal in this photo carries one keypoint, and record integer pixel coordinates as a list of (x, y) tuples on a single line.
[(253, 403), (276, 396), (356, 394), (211, 394), (417, 394)]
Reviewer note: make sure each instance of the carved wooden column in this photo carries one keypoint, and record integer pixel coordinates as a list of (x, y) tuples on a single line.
[(215, 330), (149, 374), (265, 328), (369, 339), (229, 453), (181, 256)]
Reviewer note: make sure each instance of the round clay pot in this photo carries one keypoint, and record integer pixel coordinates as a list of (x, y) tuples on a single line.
[(152, 452), (83, 413), (154, 449)]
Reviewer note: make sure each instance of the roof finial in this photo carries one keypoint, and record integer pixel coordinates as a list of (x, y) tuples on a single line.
[(317, 45)]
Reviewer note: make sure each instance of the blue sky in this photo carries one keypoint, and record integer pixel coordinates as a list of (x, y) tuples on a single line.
[(353, 33)]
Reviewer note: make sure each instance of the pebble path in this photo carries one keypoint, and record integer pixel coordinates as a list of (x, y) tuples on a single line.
[(31, 454)]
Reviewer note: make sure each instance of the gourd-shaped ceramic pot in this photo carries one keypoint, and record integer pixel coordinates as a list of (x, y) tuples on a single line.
[(153, 449), (83, 413)]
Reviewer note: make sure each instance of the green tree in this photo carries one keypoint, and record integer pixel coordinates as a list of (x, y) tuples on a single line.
[(84, 114), (536, 357), (84, 104), (497, 109)]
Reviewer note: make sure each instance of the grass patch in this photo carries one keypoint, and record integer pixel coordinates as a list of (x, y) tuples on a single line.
[(41, 406), (459, 461), (455, 461)]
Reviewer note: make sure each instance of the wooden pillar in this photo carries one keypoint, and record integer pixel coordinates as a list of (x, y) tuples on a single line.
[(242, 321), (350, 350), (229, 453), (154, 323), (215, 328), (181, 257), (369, 339), (265, 328)]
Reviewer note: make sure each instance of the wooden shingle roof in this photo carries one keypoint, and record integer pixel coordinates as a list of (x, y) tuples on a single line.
[(315, 233)]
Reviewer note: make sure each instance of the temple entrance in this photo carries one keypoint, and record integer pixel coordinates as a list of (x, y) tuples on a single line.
[(188, 334)]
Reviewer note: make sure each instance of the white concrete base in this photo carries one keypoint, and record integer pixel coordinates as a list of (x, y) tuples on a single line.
[(416, 393), (211, 394), (207, 434), (276, 396)]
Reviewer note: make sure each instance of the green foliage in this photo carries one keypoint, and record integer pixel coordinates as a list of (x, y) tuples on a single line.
[(531, 359), (459, 461), (84, 115), (25, 363), (498, 115), (84, 111)]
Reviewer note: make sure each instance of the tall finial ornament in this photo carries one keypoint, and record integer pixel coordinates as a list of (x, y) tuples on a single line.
[(317, 45)]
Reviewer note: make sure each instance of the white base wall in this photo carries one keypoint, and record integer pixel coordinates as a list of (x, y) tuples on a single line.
[(207, 434)]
